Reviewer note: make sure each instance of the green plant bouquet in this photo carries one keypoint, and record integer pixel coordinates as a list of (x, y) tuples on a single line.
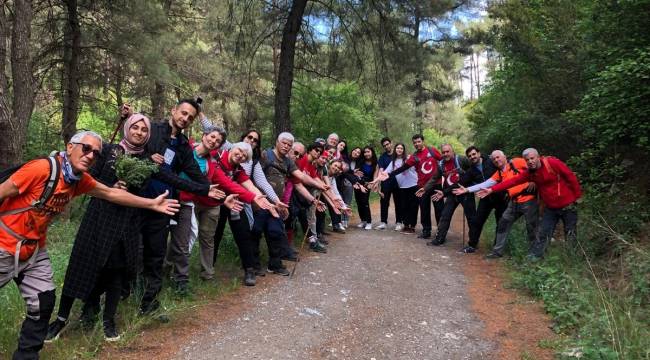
[(134, 171)]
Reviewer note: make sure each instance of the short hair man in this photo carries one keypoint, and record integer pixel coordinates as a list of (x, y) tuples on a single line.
[(558, 187), (23, 227), (522, 201), (388, 186)]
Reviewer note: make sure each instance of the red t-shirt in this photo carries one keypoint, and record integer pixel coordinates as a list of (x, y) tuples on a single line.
[(307, 167), (426, 167), (30, 180)]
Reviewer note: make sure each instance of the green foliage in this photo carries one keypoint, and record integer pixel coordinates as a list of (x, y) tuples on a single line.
[(134, 171), (322, 107), (432, 137), (603, 318)]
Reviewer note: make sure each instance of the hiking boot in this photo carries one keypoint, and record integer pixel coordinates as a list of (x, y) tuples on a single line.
[(408, 230), (381, 226), (468, 250), (55, 329), (259, 272), (492, 256), (435, 243), (533, 258), (322, 240), (182, 289), (147, 308), (424, 235), (89, 315), (110, 331), (317, 247), (399, 227), (279, 271), (249, 277), (292, 256)]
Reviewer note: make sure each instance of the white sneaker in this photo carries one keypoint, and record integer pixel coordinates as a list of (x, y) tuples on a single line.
[(381, 226), (399, 227), (368, 226), (362, 225)]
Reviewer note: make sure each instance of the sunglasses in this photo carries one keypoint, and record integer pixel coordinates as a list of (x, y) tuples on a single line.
[(87, 149), (252, 138)]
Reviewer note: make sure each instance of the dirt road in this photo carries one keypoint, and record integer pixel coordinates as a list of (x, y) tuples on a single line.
[(375, 295)]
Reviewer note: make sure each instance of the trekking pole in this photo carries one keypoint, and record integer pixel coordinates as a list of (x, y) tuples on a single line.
[(120, 123), (302, 245), (463, 227)]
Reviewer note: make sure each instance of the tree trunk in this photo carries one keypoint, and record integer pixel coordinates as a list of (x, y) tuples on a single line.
[(477, 75), (285, 72), (14, 119), (158, 102), (70, 81), (419, 91), (4, 40)]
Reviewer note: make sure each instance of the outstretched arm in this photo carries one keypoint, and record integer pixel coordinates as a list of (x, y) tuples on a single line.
[(125, 198)]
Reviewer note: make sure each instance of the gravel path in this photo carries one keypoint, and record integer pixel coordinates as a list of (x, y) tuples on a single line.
[(374, 295)]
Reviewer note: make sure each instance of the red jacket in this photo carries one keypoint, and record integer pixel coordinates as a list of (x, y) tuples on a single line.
[(558, 187), (217, 175)]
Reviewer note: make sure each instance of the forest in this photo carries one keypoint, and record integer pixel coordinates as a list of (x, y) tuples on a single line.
[(570, 78)]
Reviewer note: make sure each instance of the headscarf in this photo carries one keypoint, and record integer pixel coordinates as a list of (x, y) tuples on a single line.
[(129, 148)]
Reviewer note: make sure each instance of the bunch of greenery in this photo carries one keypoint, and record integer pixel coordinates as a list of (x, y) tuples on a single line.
[(134, 171)]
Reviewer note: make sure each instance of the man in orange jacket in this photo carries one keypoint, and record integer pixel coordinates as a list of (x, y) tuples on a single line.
[(558, 187)]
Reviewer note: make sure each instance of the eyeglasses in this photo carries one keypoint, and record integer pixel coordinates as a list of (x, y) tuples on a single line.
[(252, 138), (87, 149), (297, 153)]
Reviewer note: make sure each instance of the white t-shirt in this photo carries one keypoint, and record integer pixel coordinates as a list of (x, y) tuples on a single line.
[(405, 180)]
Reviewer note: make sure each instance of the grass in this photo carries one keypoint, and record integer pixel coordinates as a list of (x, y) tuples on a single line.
[(75, 343), (598, 299)]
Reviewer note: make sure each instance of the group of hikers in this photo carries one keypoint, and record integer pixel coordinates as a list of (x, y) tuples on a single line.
[(134, 232)]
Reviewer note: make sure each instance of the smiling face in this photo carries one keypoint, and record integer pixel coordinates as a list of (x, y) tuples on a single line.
[(83, 155), (447, 152), (237, 156), (399, 150), (335, 168), (341, 146), (183, 115), (212, 140), (474, 156), (418, 144), (138, 133), (252, 138), (367, 154), (498, 159), (356, 153), (333, 140)]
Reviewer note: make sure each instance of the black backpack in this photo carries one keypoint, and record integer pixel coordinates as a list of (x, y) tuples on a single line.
[(48, 191)]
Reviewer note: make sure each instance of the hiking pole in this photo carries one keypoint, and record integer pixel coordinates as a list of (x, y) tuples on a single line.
[(463, 227), (302, 245)]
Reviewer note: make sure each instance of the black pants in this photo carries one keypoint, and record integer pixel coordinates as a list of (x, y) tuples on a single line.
[(496, 202), (384, 203), (363, 205), (407, 206), (155, 231), (451, 203), (425, 210), (276, 238), (241, 233), (321, 217), (109, 281)]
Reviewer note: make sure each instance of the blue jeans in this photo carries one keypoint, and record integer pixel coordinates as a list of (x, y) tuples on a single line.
[(569, 217)]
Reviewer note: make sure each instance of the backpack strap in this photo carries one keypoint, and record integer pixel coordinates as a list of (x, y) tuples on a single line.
[(552, 171)]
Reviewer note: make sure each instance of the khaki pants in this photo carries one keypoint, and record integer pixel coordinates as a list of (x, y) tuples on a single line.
[(207, 217)]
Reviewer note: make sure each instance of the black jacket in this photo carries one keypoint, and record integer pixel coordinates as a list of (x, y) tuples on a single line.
[(475, 176), (183, 161)]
